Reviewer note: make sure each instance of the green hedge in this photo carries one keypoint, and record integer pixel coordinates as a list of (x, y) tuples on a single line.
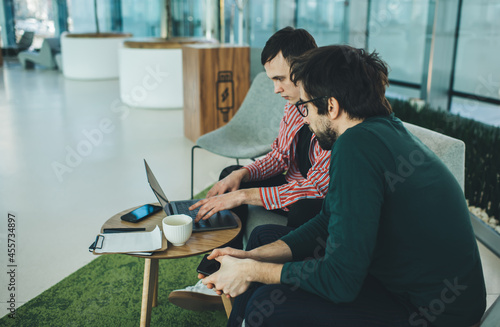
[(482, 151)]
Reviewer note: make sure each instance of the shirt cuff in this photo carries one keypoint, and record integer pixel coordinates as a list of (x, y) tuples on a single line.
[(270, 197)]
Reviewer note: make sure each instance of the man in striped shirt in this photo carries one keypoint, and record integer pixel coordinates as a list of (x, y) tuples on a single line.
[(291, 180), (297, 194)]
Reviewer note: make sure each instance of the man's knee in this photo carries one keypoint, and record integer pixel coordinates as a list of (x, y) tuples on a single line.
[(262, 307), (303, 210), (264, 234)]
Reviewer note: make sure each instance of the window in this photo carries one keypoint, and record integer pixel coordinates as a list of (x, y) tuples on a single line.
[(397, 31), (34, 16), (82, 19), (324, 19), (477, 69), (142, 18)]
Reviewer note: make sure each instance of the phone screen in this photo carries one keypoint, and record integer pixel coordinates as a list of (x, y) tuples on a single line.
[(140, 213), (208, 267)]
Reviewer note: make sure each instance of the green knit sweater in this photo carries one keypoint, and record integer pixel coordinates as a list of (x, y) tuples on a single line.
[(394, 211)]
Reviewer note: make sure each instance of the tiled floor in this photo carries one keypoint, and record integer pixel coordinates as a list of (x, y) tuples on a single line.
[(71, 157)]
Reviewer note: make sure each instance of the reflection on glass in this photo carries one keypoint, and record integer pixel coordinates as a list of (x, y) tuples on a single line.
[(477, 70), (142, 18), (188, 17), (401, 93), (477, 110), (34, 16), (82, 19), (397, 33), (324, 19)]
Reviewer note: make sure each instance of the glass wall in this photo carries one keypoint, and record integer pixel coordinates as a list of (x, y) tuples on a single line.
[(400, 30), (187, 16), (477, 73), (34, 16), (397, 31), (470, 107), (82, 19), (324, 19), (477, 68), (142, 18)]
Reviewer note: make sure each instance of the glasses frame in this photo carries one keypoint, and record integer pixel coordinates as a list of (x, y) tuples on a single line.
[(301, 103)]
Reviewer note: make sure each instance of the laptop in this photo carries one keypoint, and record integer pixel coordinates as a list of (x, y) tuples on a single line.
[(221, 220)]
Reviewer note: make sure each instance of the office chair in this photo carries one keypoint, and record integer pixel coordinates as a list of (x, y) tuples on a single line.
[(251, 131)]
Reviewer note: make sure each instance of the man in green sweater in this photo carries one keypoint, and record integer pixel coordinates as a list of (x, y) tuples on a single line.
[(393, 244)]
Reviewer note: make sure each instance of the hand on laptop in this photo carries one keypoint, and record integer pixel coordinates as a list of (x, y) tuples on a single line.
[(229, 184), (212, 205)]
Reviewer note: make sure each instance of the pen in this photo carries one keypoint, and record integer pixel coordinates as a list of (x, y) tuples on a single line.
[(123, 230)]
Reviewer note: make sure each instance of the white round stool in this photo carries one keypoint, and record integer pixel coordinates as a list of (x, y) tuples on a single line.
[(91, 56), (151, 72)]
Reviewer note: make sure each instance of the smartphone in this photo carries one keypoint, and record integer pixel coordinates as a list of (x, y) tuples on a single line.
[(208, 267), (140, 213)]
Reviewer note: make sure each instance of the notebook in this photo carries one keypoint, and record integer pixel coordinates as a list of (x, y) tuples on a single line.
[(221, 220)]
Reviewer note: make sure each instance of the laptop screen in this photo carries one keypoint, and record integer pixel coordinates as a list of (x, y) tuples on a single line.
[(155, 186)]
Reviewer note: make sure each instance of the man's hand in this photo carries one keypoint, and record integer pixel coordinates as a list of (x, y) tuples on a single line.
[(240, 268), (211, 206), (222, 252), (231, 279), (241, 254), (230, 183)]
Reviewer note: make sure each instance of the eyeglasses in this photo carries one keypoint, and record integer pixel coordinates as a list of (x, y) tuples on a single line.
[(304, 111)]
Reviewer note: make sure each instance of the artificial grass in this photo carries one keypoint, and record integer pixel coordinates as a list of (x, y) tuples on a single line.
[(108, 292)]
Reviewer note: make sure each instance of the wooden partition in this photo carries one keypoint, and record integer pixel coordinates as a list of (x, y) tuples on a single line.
[(216, 80)]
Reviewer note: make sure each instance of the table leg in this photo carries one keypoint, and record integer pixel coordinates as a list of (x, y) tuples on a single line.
[(155, 287), (150, 276), (228, 304)]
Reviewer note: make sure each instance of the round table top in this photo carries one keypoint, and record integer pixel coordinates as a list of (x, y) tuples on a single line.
[(161, 43), (199, 242)]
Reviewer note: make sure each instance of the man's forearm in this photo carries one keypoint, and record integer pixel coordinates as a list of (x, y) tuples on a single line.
[(265, 273), (243, 175), (270, 259), (276, 252), (251, 196)]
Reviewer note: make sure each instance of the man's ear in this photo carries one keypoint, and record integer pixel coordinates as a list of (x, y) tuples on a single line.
[(333, 108)]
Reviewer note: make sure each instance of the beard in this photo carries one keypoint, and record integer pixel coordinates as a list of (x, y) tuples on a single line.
[(325, 137)]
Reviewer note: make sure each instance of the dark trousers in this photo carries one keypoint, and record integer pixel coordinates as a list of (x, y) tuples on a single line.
[(281, 305), (298, 213)]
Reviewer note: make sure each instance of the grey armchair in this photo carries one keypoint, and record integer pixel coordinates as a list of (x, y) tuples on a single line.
[(251, 131), (25, 41), (45, 56)]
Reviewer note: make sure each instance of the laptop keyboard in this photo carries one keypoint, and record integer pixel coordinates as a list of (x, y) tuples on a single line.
[(184, 207)]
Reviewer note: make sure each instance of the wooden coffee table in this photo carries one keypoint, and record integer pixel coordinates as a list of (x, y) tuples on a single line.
[(198, 243)]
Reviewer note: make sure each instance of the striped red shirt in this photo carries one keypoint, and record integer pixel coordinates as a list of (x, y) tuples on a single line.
[(282, 159)]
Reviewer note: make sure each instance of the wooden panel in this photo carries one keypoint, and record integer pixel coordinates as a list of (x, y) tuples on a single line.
[(192, 82), (216, 81)]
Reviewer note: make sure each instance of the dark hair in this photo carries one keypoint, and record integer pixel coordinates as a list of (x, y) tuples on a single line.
[(355, 78), (290, 41)]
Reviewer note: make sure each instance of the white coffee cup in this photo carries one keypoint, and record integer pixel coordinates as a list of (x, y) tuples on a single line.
[(177, 229)]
